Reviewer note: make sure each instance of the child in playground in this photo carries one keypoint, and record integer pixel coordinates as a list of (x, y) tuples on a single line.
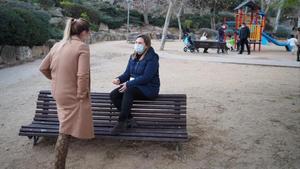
[(292, 41), (230, 42)]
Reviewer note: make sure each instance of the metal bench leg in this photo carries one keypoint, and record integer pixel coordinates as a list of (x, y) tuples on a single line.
[(35, 140), (178, 147)]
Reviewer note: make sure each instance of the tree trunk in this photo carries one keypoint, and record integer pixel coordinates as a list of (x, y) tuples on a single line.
[(178, 19), (278, 16), (212, 19), (146, 20), (213, 16), (167, 21), (145, 14), (262, 5)]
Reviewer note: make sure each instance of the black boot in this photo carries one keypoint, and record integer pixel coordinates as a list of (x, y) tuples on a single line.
[(118, 128), (131, 123)]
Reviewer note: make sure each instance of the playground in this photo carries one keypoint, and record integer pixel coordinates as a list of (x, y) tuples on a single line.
[(239, 116)]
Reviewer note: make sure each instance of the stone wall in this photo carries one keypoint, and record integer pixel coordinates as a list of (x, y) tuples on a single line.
[(12, 55)]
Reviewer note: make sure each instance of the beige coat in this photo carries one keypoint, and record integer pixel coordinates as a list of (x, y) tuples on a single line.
[(69, 72)]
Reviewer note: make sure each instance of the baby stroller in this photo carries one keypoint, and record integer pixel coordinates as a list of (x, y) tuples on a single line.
[(189, 45)]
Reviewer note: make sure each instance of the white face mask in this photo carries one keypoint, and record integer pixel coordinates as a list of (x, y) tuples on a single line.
[(139, 48)]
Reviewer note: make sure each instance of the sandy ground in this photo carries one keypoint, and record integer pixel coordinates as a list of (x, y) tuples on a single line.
[(239, 116)]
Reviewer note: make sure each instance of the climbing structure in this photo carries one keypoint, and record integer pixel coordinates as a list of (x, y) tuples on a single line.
[(249, 12)]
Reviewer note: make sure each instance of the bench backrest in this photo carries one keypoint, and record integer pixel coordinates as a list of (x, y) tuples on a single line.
[(166, 111), (209, 44)]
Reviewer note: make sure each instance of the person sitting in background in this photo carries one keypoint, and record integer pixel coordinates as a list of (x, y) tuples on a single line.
[(203, 38)]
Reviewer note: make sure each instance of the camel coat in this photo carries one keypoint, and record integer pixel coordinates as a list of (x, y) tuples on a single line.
[(69, 72)]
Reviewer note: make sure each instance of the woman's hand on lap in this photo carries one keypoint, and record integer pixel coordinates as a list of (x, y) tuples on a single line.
[(116, 81), (123, 87)]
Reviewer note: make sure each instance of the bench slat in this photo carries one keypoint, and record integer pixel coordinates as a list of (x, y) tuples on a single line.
[(41, 105), (111, 124), (161, 119), (97, 114), (107, 132), (139, 130)]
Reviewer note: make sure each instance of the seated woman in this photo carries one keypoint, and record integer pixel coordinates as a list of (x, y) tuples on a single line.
[(139, 81)]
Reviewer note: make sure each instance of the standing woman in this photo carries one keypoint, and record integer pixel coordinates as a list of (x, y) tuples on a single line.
[(139, 81), (67, 65)]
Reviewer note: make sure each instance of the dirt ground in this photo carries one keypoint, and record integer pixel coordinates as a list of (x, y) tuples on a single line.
[(239, 116)]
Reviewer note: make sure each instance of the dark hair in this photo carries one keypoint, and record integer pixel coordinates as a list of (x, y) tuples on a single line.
[(78, 26), (146, 39)]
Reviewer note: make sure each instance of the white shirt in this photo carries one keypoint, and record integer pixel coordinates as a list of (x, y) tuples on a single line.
[(292, 41), (203, 38)]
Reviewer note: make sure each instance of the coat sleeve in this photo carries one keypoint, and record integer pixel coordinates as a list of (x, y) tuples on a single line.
[(150, 71), (45, 65), (126, 75), (83, 72)]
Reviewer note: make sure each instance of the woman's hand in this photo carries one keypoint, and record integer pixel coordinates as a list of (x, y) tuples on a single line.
[(116, 81), (122, 87)]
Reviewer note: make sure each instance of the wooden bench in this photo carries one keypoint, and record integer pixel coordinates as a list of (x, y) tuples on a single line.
[(162, 119), (210, 44)]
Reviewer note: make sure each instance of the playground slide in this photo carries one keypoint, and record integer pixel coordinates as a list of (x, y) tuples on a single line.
[(276, 42)]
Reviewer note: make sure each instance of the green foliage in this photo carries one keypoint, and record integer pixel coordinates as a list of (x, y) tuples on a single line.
[(21, 26), (282, 32), (187, 24), (197, 21), (75, 10), (55, 33), (157, 21)]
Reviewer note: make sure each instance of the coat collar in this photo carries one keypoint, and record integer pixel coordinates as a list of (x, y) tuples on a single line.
[(76, 38)]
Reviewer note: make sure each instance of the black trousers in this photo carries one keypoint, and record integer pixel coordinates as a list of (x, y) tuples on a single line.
[(298, 53), (123, 101), (244, 42)]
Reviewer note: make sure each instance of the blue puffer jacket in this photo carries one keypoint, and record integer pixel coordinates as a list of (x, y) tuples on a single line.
[(145, 74)]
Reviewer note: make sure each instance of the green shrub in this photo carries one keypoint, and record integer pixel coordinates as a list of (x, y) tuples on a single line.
[(10, 24), (55, 33), (157, 21), (187, 24), (22, 27), (75, 11), (282, 32)]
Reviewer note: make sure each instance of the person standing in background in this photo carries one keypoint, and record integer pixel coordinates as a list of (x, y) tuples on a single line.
[(244, 34)]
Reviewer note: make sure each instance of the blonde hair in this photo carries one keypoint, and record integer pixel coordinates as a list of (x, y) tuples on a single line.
[(73, 27)]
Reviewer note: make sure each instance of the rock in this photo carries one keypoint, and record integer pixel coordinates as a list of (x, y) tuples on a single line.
[(56, 21), (8, 54), (23, 53), (106, 36), (56, 12), (49, 43), (1, 60), (103, 27), (39, 51)]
